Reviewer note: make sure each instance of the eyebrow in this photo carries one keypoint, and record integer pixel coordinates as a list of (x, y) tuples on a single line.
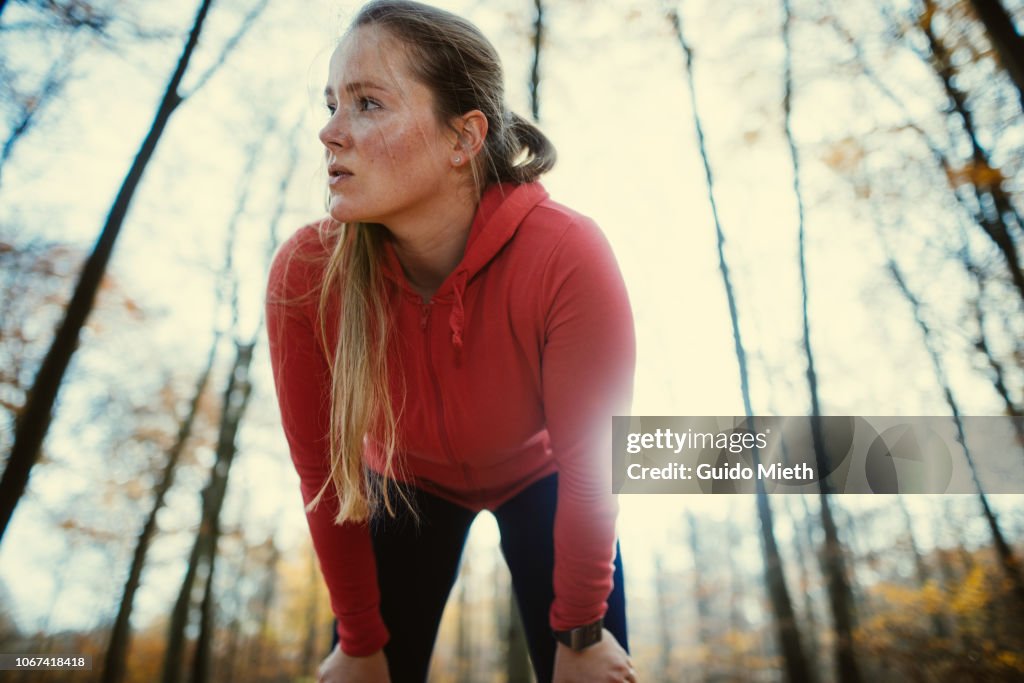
[(358, 86)]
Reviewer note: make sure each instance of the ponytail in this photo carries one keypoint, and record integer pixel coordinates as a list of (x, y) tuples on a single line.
[(540, 153)]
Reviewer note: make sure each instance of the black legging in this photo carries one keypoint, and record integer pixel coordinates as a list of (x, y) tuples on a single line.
[(416, 572)]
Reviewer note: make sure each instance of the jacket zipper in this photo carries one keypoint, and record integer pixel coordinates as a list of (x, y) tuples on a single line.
[(445, 443)]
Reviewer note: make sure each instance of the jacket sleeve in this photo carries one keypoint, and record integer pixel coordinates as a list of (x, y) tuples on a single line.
[(588, 363), (302, 383)]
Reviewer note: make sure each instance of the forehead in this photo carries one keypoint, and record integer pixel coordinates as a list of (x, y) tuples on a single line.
[(369, 54)]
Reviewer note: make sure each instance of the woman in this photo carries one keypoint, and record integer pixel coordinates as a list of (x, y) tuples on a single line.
[(450, 340)]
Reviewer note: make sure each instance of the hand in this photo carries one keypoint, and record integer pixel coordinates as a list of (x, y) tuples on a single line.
[(602, 662), (339, 667)]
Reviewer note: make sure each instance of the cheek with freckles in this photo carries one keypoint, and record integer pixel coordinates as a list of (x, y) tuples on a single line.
[(403, 145)]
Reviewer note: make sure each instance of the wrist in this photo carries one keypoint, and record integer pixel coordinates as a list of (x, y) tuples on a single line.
[(580, 638)]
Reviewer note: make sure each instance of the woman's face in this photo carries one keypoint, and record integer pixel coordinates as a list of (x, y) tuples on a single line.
[(387, 156)]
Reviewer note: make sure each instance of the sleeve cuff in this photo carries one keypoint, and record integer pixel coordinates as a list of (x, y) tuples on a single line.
[(562, 619), (360, 635)]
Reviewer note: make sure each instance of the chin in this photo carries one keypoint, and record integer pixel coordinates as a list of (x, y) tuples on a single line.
[(348, 216), (342, 212)]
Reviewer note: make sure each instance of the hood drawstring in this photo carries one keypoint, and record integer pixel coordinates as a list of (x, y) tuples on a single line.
[(458, 315)]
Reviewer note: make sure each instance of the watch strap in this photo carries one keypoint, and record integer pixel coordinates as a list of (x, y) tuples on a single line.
[(581, 637)]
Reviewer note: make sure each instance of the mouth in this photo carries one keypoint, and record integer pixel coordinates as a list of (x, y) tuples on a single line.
[(337, 173)]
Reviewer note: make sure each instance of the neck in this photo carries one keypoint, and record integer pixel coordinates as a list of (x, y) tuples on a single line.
[(431, 244)]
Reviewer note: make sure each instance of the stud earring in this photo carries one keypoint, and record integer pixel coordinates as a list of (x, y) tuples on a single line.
[(457, 160)]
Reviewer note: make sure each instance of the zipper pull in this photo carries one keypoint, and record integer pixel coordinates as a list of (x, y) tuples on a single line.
[(424, 314)]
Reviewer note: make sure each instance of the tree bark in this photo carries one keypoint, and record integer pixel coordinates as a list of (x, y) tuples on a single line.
[(201, 661)]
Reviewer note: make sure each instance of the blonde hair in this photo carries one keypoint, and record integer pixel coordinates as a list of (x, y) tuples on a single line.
[(462, 69)]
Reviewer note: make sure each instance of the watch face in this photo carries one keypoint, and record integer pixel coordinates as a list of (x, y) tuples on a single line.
[(581, 637)]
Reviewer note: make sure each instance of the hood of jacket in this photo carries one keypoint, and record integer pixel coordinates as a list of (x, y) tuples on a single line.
[(501, 210)]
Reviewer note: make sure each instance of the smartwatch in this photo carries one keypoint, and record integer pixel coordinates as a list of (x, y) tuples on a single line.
[(581, 637)]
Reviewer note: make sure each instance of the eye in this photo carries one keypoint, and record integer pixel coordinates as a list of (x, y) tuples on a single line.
[(330, 108), (367, 104)]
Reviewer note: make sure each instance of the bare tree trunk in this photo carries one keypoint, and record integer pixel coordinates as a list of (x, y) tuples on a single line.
[(227, 675), (1008, 43), (233, 405), (236, 399), (804, 550), (269, 589), (794, 660), (837, 581), (117, 649), (999, 381), (785, 619), (1007, 559), (996, 223), (955, 524), (308, 661), (34, 420), (201, 660), (175, 653), (856, 551), (538, 41)]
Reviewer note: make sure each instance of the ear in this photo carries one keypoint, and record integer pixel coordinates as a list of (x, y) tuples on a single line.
[(471, 130)]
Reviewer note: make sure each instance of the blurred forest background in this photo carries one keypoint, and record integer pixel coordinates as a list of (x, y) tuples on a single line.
[(817, 209)]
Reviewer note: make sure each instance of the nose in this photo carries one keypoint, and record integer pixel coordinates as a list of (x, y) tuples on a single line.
[(335, 131)]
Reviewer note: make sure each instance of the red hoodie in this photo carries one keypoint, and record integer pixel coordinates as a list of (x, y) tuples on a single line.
[(512, 371)]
